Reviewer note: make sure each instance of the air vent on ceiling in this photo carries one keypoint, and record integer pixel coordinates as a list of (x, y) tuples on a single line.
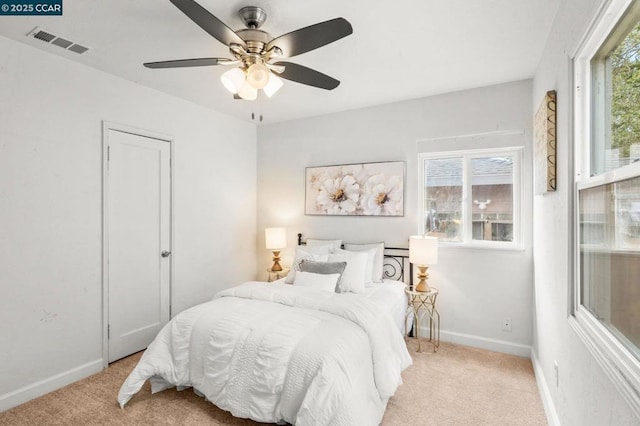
[(47, 37), (44, 36), (62, 42), (78, 49)]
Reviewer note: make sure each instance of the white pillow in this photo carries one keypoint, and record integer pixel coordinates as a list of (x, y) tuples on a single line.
[(378, 261), (354, 274), (335, 244), (368, 272), (325, 282), (317, 253)]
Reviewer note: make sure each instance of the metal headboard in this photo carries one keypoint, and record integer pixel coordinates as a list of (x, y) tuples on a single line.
[(396, 261)]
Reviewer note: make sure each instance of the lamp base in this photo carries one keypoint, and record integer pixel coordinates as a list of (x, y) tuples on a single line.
[(276, 267), (422, 276)]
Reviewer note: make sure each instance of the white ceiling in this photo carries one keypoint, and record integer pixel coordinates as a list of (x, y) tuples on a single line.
[(398, 50)]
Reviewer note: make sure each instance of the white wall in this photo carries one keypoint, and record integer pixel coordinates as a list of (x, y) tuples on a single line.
[(585, 395), (51, 111), (478, 287)]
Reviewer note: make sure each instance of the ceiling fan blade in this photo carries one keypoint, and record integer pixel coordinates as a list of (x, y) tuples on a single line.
[(308, 76), (183, 63), (311, 37), (208, 22)]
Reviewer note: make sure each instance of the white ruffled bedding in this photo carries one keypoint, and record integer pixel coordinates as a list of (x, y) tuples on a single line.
[(279, 352), (391, 298)]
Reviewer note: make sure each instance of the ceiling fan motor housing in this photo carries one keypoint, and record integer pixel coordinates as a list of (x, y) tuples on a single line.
[(255, 40), (253, 16)]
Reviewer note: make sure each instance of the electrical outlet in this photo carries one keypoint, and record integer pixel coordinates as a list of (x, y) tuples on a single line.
[(506, 325), (556, 373)]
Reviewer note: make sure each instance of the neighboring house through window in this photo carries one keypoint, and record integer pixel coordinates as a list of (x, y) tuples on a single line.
[(472, 197)]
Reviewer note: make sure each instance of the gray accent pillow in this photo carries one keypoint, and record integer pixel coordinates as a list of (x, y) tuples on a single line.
[(324, 268)]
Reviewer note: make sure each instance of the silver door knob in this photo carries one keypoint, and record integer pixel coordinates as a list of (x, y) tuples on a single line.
[(166, 253)]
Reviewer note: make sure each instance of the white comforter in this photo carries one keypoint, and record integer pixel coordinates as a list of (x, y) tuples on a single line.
[(279, 352)]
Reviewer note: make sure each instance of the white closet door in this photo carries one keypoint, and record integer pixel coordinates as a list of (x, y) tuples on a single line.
[(139, 242)]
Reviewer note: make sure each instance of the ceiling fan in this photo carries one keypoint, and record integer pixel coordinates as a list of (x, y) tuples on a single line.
[(256, 55)]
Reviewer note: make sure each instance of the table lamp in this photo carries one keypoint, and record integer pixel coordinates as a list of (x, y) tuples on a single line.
[(275, 239), (423, 251)]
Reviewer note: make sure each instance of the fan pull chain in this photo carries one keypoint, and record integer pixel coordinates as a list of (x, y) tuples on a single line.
[(253, 114)]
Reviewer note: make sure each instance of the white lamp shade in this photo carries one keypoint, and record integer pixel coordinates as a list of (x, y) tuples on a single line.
[(248, 92), (233, 80), (258, 75), (275, 238), (423, 250), (274, 84)]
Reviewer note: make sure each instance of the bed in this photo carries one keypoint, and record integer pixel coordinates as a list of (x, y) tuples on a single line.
[(283, 353)]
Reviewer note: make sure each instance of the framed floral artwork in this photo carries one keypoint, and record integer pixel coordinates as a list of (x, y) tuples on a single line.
[(366, 189)]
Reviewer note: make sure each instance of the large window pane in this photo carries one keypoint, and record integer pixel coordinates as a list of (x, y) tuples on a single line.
[(610, 257), (606, 104), (492, 195), (443, 198), (616, 66)]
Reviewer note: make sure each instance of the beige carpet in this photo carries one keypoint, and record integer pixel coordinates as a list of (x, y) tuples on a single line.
[(456, 386)]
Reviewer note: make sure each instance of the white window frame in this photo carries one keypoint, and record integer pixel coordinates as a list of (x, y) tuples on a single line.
[(615, 359), (518, 193)]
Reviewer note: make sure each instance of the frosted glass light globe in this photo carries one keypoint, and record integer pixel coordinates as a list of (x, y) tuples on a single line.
[(275, 83), (248, 92), (233, 80), (258, 75)]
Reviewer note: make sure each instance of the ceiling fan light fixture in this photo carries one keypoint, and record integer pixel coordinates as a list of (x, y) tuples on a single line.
[(254, 51), (233, 80), (274, 84), (258, 75), (248, 92)]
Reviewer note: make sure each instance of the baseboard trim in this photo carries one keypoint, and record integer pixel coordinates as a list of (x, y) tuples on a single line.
[(545, 394), (34, 390), (482, 342)]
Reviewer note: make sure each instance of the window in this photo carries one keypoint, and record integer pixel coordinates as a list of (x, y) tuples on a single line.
[(472, 197), (610, 257), (607, 251)]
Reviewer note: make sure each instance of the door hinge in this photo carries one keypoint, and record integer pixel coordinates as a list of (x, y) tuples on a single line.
[(108, 153), (109, 331)]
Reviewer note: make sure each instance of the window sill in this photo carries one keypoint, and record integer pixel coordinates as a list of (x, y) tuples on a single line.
[(618, 364), (480, 246)]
